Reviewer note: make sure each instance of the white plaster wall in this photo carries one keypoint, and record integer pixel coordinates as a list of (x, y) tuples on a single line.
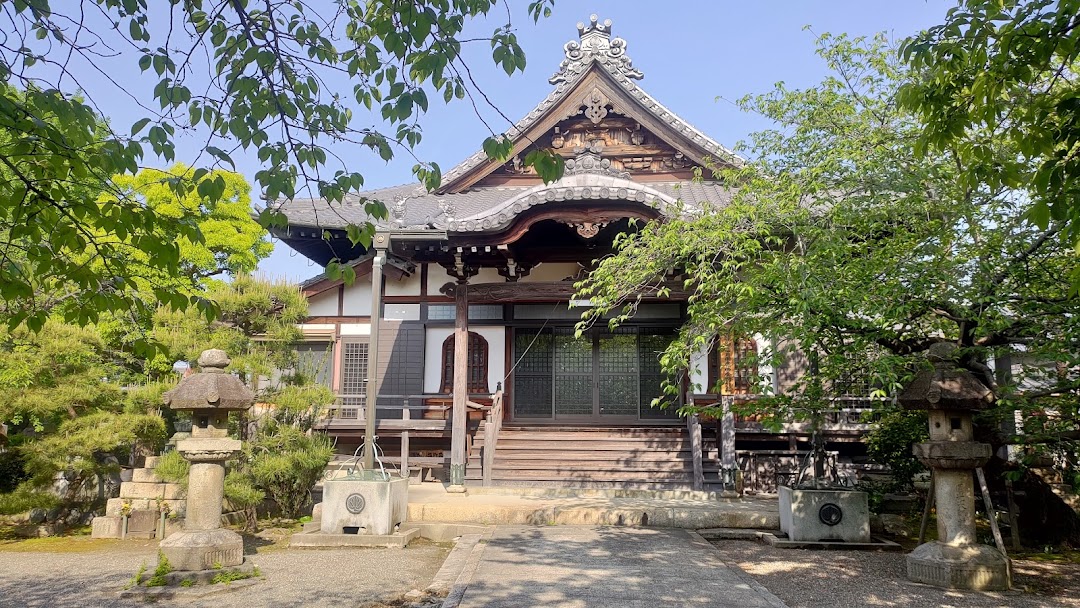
[(356, 329), (496, 339), (358, 298), (401, 312), (488, 275), (551, 271), (405, 286), (323, 304)]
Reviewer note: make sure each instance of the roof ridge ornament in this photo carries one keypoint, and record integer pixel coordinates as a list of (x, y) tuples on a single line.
[(596, 44)]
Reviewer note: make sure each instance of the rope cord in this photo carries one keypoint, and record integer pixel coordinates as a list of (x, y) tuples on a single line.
[(529, 347)]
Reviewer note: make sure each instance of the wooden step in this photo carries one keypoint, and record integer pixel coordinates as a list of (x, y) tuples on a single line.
[(602, 457), (511, 456)]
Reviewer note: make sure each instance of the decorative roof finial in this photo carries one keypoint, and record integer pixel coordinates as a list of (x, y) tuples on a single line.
[(596, 44), (398, 211)]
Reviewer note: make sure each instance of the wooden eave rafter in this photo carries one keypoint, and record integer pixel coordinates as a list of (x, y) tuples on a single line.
[(570, 106), (394, 268)]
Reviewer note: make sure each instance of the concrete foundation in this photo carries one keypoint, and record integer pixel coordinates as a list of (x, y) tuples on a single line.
[(370, 506), (976, 567), (397, 540), (824, 515)]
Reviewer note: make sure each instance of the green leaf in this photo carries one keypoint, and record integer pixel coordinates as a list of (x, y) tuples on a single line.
[(139, 126)]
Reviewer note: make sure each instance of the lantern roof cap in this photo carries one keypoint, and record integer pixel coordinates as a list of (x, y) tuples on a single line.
[(210, 388), (946, 386)]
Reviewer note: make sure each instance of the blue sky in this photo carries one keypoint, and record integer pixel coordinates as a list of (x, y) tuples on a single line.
[(691, 53)]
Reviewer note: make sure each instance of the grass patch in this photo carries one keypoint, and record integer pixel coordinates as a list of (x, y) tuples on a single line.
[(137, 579), (228, 576), (55, 544), (1050, 556), (163, 569)]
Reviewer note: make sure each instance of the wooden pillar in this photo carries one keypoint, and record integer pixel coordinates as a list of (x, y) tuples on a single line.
[(728, 465), (695, 450), (461, 388)]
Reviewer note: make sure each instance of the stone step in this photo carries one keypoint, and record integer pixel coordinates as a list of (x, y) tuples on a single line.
[(151, 462), (115, 505), (134, 489), (145, 476)]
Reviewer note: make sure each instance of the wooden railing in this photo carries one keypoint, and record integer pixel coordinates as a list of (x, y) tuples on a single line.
[(491, 435)]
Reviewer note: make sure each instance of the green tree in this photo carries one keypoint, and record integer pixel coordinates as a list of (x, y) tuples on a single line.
[(283, 457), (257, 326), (61, 399), (285, 79), (1005, 70), (844, 242)]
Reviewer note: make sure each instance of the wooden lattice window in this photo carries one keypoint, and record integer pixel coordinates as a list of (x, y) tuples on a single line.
[(477, 368), (733, 363)]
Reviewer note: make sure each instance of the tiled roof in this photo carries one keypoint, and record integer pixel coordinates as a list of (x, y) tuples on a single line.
[(494, 207), (412, 206)]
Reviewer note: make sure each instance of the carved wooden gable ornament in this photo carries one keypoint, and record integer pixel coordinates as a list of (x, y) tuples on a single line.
[(600, 121)]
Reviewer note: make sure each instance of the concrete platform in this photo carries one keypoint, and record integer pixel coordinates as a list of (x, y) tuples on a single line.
[(313, 540), (691, 510), (599, 567)]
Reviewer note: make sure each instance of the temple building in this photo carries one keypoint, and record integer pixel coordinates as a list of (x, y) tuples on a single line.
[(484, 267)]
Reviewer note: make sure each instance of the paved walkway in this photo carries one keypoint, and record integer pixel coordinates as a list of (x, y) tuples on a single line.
[(599, 567), (693, 510)]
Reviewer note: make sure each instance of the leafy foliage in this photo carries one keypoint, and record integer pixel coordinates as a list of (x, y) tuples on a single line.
[(49, 376), (847, 245), (256, 326), (286, 463), (1005, 70), (288, 81), (77, 446), (889, 442)]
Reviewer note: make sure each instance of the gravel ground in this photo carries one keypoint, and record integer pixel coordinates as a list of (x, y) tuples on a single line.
[(823, 579), (92, 574)]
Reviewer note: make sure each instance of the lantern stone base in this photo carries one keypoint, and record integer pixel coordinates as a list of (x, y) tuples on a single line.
[(824, 515), (978, 567), (203, 549)]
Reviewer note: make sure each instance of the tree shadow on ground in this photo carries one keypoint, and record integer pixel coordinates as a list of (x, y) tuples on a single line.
[(821, 579), (570, 566)]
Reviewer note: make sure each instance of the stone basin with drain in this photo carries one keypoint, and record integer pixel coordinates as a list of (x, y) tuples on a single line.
[(363, 508)]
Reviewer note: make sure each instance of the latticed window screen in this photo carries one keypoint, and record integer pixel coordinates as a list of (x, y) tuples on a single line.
[(354, 376), (651, 345), (477, 368), (733, 366), (477, 312), (611, 373), (533, 352)]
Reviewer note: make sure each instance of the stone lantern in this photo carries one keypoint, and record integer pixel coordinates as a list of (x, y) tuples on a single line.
[(209, 395), (950, 395)]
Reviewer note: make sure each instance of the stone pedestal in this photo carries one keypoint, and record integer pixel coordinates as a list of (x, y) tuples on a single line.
[(203, 544), (825, 514), (956, 560), (977, 567), (371, 507), (203, 549)]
